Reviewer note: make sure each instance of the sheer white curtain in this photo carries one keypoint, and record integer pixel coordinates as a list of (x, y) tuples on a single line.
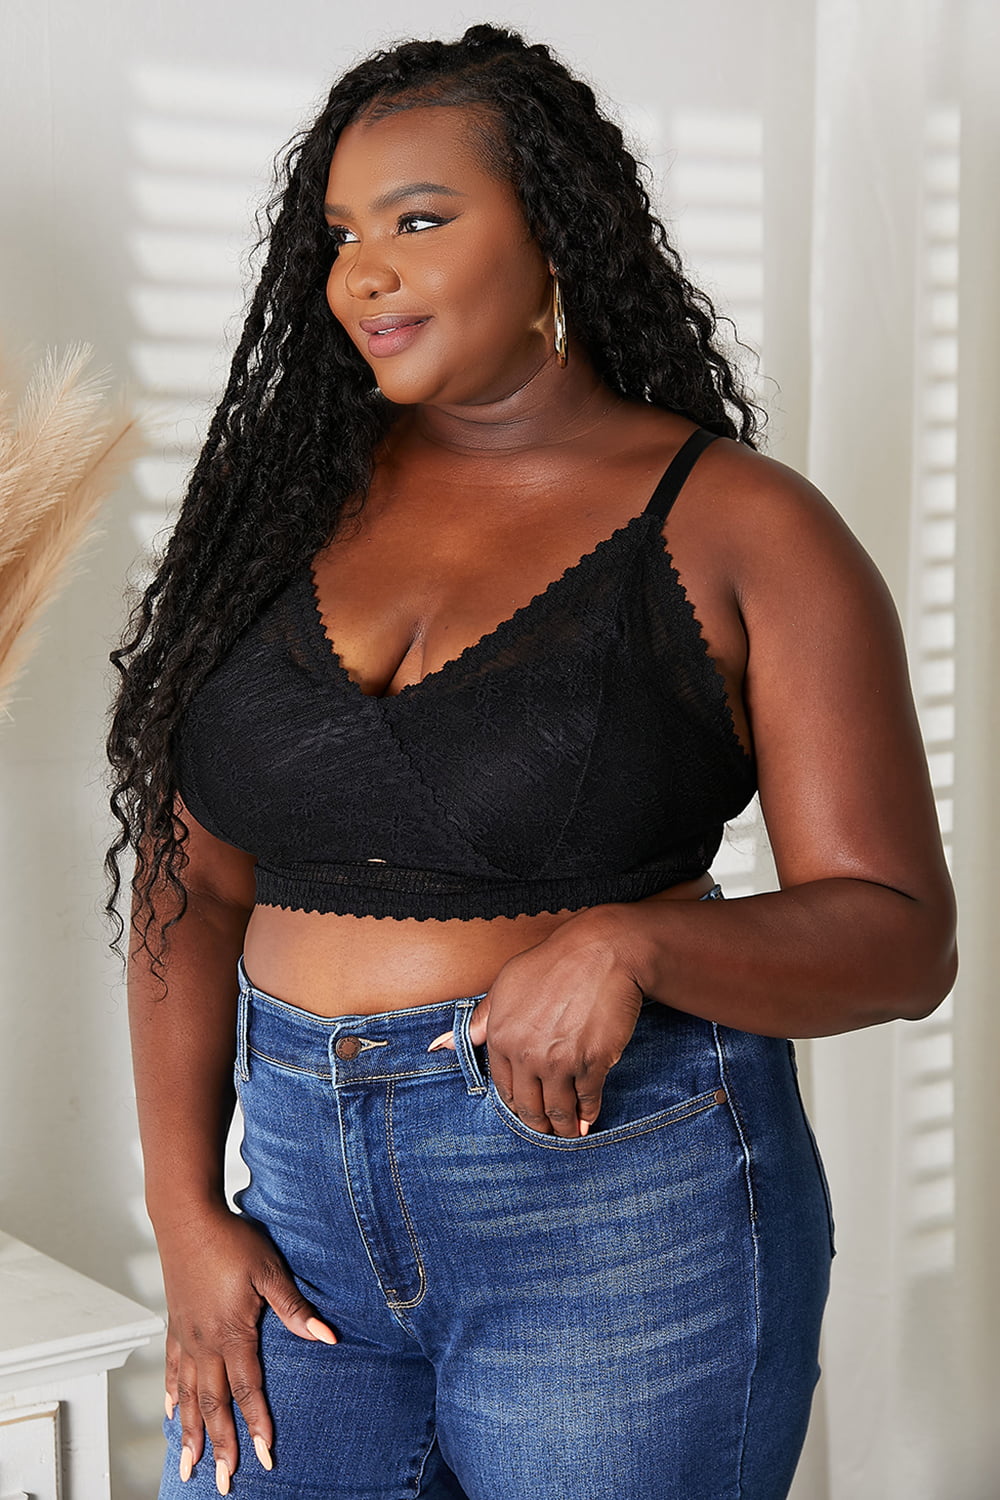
[(899, 428)]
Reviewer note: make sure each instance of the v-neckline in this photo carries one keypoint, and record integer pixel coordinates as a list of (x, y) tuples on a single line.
[(492, 638)]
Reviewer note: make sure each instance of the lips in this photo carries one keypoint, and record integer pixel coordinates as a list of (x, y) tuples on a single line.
[(392, 333), (389, 322)]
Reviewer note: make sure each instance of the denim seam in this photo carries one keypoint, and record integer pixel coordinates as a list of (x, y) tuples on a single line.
[(619, 1133), (814, 1147), (452, 1067), (394, 1169), (242, 1035), (289, 1067), (745, 1144), (423, 1462), (368, 1078), (349, 1184)]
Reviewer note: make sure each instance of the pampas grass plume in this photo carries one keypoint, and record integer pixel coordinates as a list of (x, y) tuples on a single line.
[(61, 452)]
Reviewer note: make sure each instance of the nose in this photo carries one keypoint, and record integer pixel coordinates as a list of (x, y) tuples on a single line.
[(369, 274)]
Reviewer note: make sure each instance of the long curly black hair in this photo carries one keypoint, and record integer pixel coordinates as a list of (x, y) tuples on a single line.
[(290, 447)]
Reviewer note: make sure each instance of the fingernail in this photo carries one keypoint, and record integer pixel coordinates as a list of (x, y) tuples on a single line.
[(584, 1126), (187, 1463), (446, 1039), (263, 1452), (320, 1331), (168, 1407), (221, 1476)]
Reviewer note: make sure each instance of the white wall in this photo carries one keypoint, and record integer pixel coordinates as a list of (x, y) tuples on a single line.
[(136, 139)]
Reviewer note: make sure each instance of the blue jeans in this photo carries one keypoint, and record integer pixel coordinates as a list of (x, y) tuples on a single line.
[(629, 1315)]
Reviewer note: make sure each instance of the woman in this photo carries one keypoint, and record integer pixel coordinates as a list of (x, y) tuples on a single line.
[(420, 706)]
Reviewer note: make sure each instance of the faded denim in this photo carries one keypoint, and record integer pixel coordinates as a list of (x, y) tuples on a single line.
[(630, 1315)]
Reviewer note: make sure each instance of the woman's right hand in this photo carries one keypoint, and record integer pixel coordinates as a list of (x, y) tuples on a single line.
[(219, 1271)]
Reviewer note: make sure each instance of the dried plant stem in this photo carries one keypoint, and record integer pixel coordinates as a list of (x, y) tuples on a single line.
[(59, 457)]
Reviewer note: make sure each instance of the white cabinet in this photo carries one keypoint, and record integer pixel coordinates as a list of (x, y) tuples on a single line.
[(60, 1333)]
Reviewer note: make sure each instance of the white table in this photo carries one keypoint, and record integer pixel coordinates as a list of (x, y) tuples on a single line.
[(60, 1333)]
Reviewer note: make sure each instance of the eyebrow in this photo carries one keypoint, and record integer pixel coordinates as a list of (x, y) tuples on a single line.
[(408, 190)]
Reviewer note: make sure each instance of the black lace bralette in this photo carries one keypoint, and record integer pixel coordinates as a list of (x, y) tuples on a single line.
[(582, 752)]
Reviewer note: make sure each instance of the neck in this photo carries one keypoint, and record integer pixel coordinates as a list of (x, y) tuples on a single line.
[(553, 406)]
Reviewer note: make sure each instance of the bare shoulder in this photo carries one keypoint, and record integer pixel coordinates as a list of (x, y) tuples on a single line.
[(778, 548), (769, 521), (742, 515)]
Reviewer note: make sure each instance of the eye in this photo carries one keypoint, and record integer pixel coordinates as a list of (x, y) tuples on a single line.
[(426, 219), (337, 233)]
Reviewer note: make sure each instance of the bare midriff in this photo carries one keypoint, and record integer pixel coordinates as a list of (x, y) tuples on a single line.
[(335, 965)]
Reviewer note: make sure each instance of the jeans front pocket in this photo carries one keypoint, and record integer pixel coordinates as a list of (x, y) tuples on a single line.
[(668, 1072), (597, 1136)]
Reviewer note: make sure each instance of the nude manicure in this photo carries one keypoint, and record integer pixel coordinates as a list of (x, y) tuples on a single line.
[(263, 1452), (168, 1406), (187, 1463), (320, 1331), (445, 1039), (221, 1476)]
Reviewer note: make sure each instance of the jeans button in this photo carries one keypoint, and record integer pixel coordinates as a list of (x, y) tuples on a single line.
[(347, 1047)]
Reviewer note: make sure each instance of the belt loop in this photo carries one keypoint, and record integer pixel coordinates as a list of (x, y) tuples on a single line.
[(242, 1027), (475, 1081)]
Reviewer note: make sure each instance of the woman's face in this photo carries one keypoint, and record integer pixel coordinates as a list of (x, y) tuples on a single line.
[(429, 239)]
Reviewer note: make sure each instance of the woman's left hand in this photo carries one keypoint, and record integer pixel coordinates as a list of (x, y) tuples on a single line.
[(555, 1021)]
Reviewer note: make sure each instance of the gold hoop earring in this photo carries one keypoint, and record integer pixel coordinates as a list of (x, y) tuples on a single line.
[(559, 320)]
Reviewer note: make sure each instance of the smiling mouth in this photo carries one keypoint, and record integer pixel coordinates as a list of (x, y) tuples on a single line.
[(379, 333), (389, 334)]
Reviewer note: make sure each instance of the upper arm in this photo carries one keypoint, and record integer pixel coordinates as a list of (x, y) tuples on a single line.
[(842, 773)]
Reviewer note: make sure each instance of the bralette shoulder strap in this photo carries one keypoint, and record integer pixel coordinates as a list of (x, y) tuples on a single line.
[(683, 462)]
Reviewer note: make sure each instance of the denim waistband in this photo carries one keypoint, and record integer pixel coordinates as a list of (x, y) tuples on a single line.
[(349, 1050)]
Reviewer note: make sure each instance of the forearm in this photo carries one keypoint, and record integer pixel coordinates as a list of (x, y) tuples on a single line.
[(183, 1046), (812, 960)]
